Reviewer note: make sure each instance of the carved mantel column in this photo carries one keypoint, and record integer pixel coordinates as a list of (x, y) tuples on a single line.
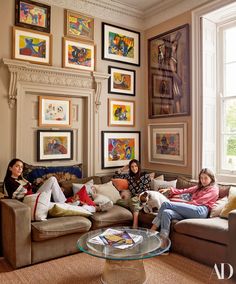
[(21, 71)]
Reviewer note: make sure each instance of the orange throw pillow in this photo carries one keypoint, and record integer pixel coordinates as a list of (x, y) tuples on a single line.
[(120, 183)]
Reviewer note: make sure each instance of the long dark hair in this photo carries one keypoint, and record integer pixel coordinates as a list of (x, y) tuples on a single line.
[(11, 164), (138, 174), (211, 175)]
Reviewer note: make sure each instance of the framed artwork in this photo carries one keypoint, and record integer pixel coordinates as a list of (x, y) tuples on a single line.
[(33, 15), (32, 46), (168, 143), (78, 54), (120, 44), (169, 73), (121, 81), (78, 25), (121, 112), (54, 112), (118, 148), (53, 145)]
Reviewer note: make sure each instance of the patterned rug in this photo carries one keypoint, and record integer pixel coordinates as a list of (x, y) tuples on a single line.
[(85, 269)]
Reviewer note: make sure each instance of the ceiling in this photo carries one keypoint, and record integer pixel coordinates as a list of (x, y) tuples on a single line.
[(144, 5)]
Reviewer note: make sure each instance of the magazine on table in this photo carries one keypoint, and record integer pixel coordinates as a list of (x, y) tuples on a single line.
[(117, 238)]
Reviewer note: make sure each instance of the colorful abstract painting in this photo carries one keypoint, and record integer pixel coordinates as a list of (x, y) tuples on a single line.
[(33, 15), (78, 25), (121, 112), (121, 81), (121, 149), (31, 46), (121, 45), (54, 145), (168, 143), (118, 148), (79, 55)]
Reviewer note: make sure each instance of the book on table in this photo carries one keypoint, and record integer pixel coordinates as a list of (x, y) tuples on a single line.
[(116, 238)]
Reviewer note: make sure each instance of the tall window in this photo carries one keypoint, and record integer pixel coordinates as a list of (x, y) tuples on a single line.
[(227, 36)]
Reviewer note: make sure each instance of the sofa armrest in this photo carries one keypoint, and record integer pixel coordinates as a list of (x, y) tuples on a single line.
[(16, 232), (232, 241)]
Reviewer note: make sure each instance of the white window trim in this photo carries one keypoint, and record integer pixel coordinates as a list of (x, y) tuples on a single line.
[(197, 85)]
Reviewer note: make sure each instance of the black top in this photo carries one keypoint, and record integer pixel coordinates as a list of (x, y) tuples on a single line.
[(18, 186)]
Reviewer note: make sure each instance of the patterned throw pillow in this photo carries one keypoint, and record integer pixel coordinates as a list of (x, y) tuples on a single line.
[(157, 184), (38, 174), (78, 186), (183, 182), (39, 205)]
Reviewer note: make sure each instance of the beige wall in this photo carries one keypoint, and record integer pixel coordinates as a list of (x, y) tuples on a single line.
[(159, 29), (8, 116)]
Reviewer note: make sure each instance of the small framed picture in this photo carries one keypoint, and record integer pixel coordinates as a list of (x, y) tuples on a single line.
[(168, 143), (120, 44), (118, 148), (78, 25), (78, 54), (32, 46), (53, 145), (33, 15), (54, 112), (121, 81), (121, 112)]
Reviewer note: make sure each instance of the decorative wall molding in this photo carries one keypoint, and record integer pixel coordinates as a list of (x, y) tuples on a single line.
[(54, 76)]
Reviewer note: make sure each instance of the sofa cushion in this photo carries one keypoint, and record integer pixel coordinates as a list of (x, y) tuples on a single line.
[(64, 209), (183, 182), (218, 206), (211, 229), (115, 216), (120, 183), (56, 227)]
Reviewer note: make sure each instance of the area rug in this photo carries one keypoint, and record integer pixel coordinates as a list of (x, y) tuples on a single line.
[(85, 269)]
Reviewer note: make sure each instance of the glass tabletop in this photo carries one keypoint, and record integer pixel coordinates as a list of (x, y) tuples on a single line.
[(142, 243)]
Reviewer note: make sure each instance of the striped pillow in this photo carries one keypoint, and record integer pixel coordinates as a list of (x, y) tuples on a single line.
[(39, 205)]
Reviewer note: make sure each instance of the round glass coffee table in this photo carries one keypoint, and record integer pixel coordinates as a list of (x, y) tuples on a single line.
[(124, 263)]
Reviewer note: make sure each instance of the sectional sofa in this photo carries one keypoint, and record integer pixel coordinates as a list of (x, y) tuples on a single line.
[(208, 241)]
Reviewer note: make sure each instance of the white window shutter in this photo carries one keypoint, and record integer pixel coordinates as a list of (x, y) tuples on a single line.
[(209, 94)]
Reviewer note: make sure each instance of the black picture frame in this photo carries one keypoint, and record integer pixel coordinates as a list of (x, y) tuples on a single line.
[(23, 6), (120, 87), (54, 145), (120, 44), (129, 143)]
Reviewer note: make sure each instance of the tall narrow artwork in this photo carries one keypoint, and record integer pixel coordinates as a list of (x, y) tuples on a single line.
[(169, 73)]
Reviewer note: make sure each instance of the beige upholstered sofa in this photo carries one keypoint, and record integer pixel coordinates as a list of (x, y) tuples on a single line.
[(208, 241)]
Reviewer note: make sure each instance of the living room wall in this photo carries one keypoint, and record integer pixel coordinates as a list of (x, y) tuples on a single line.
[(166, 26), (8, 116)]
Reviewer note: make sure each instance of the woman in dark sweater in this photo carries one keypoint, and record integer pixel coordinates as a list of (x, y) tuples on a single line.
[(138, 182)]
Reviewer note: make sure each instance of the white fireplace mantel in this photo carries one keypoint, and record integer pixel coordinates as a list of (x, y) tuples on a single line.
[(21, 71)]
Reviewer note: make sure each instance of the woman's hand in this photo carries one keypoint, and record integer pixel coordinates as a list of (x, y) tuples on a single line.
[(164, 190)]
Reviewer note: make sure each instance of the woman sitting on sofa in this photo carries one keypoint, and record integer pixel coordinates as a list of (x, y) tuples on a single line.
[(17, 187), (201, 199), (137, 182)]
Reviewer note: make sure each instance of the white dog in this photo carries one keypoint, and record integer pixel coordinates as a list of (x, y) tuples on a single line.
[(151, 201)]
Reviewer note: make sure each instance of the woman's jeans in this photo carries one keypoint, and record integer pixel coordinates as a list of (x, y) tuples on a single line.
[(179, 211)]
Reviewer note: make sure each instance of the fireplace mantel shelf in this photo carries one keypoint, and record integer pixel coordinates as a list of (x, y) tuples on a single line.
[(21, 71)]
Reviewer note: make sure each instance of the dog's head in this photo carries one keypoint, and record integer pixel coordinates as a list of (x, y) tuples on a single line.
[(144, 197)]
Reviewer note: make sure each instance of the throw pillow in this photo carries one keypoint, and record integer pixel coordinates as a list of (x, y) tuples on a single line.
[(108, 190), (218, 206), (231, 205), (183, 182), (120, 183), (100, 199), (77, 187), (157, 184), (39, 205), (161, 177), (64, 209), (83, 196)]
